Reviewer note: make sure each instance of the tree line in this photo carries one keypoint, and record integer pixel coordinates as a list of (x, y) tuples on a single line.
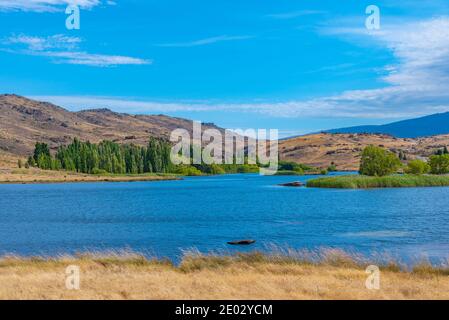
[(114, 158), (380, 162), (105, 157)]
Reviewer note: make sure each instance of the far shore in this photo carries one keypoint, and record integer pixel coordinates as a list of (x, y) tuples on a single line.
[(37, 176)]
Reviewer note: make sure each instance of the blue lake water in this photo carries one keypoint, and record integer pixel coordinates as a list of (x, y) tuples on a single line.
[(164, 218)]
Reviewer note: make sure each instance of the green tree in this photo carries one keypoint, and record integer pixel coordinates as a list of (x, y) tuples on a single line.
[(439, 164), (440, 152), (292, 166), (40, 149), (187, 170), (378, 162), (332, 167), (44, 161), (417, 167), (31, 162), (106, 156), (216, 169)]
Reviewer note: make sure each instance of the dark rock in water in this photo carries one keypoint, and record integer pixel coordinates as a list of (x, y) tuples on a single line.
[(241, 242), (293, 184)]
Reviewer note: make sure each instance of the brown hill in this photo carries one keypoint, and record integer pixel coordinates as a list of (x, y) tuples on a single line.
[(344, 150), (23, 122)]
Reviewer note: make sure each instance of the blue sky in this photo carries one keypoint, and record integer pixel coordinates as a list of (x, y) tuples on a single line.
[(299, 66)]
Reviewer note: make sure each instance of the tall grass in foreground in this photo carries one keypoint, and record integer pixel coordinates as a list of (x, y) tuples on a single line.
[(284, 274), (193, 260), (366, 182)]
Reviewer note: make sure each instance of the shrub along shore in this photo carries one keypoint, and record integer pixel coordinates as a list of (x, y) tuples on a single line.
[(379, 168), (392, 181)]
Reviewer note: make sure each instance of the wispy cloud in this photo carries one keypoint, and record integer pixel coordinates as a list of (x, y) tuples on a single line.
[(206, 41), (417, 84), (295, 14), (122, 104), (58, 41), (347, 105), (65, 50), (45, 5), (89, 59)]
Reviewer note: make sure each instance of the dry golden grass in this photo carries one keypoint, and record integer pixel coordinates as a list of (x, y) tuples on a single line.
[(249, 276), (8, 161), (34, 175), (11, 173)]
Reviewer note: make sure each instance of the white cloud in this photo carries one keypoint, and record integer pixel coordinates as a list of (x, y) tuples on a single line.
[(122, 104), (58, 41), (89, 59), (423, 51), (206, 41), (417, 84), (45, 5), (345, 105), (64, 49)]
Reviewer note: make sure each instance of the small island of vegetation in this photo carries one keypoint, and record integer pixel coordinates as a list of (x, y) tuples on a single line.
[(380, 168)]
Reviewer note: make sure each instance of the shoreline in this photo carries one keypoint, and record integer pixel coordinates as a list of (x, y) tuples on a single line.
[(37, 176), (84, 181)]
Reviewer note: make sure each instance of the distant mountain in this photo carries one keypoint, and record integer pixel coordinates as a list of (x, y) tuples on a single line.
[(23, 122), (435, 124)]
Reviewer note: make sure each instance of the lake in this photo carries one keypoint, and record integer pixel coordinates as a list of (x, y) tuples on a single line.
[(164, 218)]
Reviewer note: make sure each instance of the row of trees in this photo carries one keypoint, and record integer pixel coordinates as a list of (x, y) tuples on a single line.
[(380, 162), (105, 157), (437, 164), (110, 157)]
